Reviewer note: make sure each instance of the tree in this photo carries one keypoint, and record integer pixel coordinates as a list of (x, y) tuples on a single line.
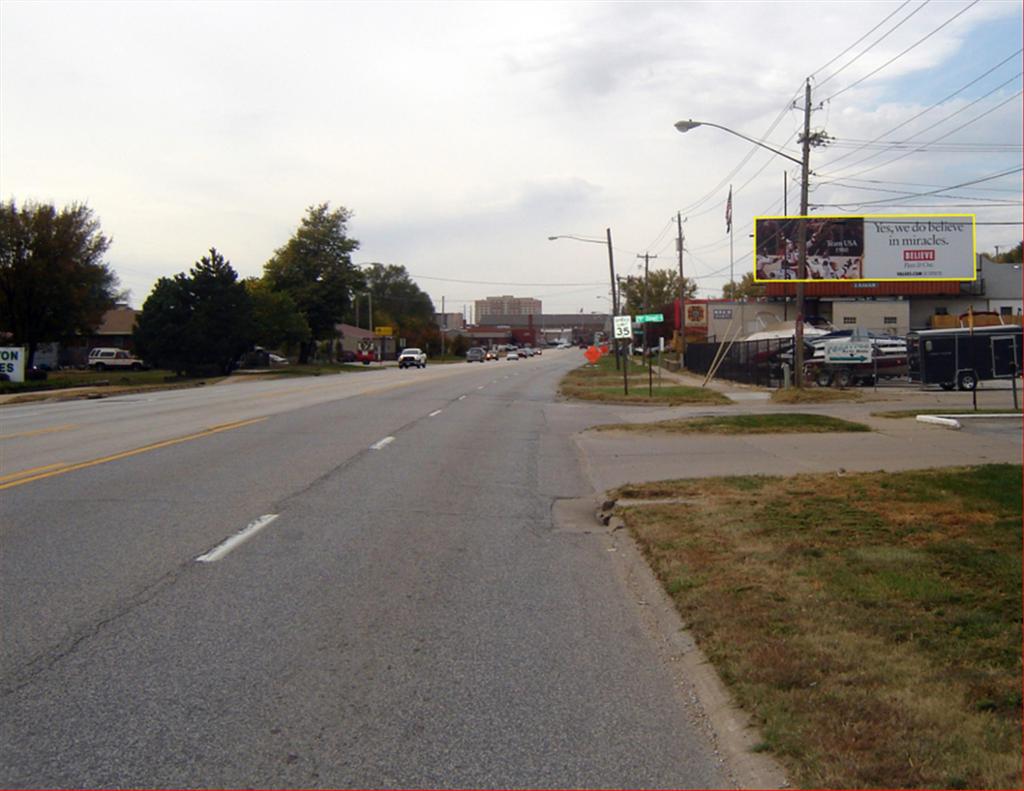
[(277, 321), (54, 284), (1011, 256), (662, 291), (315, 269), (396, 297), (747, 288), (198, 321)]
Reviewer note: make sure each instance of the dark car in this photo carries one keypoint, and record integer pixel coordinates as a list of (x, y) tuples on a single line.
[(475, 355)]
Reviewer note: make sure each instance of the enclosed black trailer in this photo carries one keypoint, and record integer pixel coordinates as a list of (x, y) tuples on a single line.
[(963, 357)]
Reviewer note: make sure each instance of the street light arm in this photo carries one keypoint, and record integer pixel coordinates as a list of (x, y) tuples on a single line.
[(686, 126), (577, 238)]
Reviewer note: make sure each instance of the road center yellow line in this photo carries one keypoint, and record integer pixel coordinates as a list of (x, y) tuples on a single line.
[(61, 469), (37, 432), (26, 473)]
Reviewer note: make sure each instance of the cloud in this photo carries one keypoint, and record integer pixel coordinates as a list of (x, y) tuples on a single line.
[(460, 134)]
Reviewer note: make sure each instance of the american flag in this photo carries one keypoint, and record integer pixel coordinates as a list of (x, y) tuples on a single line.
[(728, 212)]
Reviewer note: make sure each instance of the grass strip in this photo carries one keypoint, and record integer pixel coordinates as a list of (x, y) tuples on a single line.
[(742, 424), (670, 396), (905, 413), (813, 395), (602, 382), (870, 622)]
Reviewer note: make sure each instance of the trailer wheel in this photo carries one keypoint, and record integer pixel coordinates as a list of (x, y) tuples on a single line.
[(844, 378), (966, 380), (824, 378)]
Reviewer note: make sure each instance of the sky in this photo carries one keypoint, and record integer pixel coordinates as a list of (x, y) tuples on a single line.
[(462, 135)]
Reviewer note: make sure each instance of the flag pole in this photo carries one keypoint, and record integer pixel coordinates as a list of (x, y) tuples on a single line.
[(728, 227)]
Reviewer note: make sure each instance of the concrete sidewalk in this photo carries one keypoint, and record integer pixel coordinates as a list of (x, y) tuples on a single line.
[(614, 458)]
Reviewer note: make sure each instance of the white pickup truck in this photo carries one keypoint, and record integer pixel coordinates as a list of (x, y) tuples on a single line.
[(101, 359), (412, 357)]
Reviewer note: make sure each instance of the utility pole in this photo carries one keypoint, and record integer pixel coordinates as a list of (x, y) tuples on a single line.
[(647, 346), (682, 292), (444, 318), (615, 296), (802, 241)]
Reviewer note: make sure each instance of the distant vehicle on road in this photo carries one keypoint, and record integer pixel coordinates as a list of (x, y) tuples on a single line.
[(475, 355), (100, 359), (491, 354), (412, 357), (512, 354)]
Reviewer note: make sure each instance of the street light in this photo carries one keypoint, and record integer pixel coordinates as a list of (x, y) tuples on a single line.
[(686, 126), (804, 163), (611, 269)]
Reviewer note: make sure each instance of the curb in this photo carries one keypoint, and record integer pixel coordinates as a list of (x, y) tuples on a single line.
[(734, 734)]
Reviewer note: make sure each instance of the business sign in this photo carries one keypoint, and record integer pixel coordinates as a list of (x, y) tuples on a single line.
[(386, 331), (839, 352), (871, 247), (12, 363), (623, 326)]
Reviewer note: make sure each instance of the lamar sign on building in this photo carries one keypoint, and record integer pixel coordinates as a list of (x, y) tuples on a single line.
[(870, 247)]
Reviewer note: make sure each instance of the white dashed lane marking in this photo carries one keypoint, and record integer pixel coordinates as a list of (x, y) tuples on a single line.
[(237, 539)]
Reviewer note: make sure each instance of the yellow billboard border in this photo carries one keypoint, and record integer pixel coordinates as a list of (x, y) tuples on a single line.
[(974, 248)]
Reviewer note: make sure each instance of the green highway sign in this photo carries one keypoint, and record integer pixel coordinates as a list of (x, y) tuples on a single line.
[(649, 317)]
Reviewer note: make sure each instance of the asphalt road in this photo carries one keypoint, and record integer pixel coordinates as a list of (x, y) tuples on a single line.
[(404, 613)]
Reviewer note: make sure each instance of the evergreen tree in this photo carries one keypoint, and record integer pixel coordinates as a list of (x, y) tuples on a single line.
[(197, 322)]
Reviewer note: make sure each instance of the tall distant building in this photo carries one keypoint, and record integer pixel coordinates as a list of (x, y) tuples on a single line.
[(505, 306)]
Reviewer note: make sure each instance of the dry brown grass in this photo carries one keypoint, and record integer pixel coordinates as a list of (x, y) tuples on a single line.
[(603, 383), (814, 395), (871, 623)]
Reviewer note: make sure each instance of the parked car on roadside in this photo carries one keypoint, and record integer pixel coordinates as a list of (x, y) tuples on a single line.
[(412, 357), (100, 359)]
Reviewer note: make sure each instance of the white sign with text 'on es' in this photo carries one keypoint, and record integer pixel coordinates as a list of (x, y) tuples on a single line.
[(12, 363)]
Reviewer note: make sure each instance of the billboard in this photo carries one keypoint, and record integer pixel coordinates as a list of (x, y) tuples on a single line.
[(870, 247)]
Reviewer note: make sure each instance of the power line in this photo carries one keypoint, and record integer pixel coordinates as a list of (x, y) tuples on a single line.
[(934, 106), (908, 49), (941, 137), (938, 191), (878, 41), (502, 283)]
